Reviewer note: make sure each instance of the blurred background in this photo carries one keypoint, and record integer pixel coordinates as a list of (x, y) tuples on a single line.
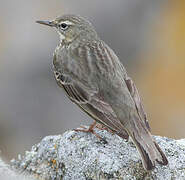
[(148, 36)]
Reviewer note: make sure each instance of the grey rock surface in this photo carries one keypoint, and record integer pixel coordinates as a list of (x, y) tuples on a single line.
[(79, 156), (7, 174)]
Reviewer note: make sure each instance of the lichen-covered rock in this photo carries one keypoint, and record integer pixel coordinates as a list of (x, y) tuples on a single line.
[(7, 174), (79, 156)]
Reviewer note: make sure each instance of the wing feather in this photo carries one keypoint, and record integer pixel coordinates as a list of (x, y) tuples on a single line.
[(131, 87), (91, 104), (74, 92), (135, 95)]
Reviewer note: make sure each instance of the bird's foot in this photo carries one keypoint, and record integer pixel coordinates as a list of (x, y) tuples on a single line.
[(90, 130)]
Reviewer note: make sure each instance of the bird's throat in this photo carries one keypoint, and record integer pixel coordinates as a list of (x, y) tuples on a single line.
[(62, 37)]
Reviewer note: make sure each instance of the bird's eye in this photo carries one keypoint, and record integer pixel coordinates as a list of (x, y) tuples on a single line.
[(63, 26)]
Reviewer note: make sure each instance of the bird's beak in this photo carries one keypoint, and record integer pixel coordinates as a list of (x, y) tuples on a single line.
[(47, 23)]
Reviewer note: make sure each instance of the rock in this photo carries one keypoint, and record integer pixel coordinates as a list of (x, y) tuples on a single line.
[(80, 156), (7, 174)]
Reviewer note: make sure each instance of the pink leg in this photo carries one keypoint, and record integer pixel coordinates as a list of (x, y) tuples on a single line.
[(90, 129)]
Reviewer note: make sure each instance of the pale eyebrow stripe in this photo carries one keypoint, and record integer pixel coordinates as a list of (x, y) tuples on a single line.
[(67, 22)]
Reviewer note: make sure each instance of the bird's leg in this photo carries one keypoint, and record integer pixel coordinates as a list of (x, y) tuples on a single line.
[(90, 129)]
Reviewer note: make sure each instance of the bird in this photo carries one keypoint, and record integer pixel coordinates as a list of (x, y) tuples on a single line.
[(93, 77)]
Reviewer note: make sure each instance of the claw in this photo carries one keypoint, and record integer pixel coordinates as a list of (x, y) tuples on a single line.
[(91, 130)]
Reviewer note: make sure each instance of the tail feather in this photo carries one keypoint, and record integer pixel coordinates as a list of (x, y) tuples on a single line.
[(149, 151), (164, 159), (147, 163)]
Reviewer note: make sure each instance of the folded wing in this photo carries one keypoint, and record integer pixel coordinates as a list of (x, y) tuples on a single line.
[(91, 103)]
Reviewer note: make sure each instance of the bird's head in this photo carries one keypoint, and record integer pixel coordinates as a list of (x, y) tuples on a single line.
[(71, 27)]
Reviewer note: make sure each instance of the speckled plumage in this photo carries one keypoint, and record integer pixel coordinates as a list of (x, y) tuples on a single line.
[(94, 78)]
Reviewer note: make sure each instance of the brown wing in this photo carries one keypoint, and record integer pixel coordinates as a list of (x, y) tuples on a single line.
[(135, 95), (72, 89), (130, 84), (91, 104)]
